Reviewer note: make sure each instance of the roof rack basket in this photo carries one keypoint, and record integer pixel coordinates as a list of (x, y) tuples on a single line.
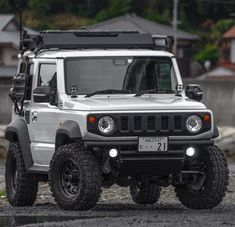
[(85, 39)]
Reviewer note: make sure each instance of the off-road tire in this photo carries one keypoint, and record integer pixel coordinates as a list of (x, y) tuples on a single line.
[(215, 185), (145, 192), (90, 177), (22, 189)]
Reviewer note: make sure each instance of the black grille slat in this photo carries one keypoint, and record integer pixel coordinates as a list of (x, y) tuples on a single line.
[(151, 123), (138, 123), (165, 123), (178, 123), (124, 123)]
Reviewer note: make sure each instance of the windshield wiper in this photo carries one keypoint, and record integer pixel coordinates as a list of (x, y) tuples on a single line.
[(155, 91), (108, 91)]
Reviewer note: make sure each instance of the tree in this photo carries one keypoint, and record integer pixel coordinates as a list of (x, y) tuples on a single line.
[(115, 8)]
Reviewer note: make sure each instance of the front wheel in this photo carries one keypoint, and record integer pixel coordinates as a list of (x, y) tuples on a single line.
[(21, 187), (75, 177), (207, 190)]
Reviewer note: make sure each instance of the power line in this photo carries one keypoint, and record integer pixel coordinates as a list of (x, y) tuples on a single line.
[(218, 1)]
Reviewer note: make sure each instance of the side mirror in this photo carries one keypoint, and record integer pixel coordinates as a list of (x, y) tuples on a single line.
[(19, 88), (193, 91), (41, 94)]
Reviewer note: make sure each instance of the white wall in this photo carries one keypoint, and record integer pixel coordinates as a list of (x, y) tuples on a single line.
[(232, 53), (9, 56)]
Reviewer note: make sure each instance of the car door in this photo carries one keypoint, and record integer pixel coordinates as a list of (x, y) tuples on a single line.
[(44, 116)]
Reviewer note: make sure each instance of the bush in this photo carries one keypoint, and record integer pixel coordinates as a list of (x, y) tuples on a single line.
[(209, 53)]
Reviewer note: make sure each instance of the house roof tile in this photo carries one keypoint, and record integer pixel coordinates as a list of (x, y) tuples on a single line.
[(10, 37), (230, 34), (5, 19), (135, 23)]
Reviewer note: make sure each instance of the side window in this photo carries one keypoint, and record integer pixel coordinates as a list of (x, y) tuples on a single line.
[(48, 78), (47, 75)]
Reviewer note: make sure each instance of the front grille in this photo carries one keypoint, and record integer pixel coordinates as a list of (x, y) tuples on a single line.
[(150, 123)]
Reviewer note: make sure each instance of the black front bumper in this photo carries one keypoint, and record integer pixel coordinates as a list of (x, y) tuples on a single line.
[(94, 140), (132, 162)]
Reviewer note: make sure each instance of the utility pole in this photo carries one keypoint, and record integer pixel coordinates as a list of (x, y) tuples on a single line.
[(175, 24)]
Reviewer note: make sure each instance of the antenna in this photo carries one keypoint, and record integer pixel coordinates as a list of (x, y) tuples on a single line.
[(21, 27), (21, 33)]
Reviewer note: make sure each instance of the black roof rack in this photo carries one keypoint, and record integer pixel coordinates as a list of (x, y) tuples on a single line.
[(85, 39)]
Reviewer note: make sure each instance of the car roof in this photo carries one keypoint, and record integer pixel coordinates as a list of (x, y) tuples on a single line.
[(55, 53)]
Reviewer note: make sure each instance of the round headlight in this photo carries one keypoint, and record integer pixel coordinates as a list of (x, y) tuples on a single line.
[(106, 125), (194, 123)]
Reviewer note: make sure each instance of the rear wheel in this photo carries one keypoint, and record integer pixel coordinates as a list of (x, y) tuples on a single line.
[(75, 177), (145, 192), (21, 187), (206, 190)]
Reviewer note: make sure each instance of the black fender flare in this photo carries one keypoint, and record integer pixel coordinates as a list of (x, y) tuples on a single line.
[(216, 132), (17, 130), (67, 133)]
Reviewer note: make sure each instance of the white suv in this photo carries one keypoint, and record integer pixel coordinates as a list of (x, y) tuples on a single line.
[(92, 109)]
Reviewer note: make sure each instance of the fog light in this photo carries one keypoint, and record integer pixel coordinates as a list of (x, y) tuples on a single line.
[(190, 151), (113, 153)]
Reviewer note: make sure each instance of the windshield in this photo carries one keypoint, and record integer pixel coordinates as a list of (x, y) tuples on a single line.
[(129, 74)]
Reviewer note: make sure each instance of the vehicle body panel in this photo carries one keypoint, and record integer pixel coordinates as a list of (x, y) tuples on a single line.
[(49, 118)]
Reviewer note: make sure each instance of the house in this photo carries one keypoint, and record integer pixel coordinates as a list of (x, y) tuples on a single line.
[(225, 69), (9, 39), (229, 45), (9, 42), (133, 22)]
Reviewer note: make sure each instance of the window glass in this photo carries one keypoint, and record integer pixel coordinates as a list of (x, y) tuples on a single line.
[(164, 77), (48, 78), (131, 74), (47, 75)]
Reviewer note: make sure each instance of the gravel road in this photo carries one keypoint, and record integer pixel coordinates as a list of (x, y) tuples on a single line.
[(115, 208)]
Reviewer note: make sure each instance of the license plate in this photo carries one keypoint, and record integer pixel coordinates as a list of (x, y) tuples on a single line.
[(153, 144)]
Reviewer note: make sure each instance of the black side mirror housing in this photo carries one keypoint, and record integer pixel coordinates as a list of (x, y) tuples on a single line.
[(19, 88), (41, 94), (193, 91)]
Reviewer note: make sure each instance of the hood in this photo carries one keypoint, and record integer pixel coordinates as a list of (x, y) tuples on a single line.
[(131, 103)]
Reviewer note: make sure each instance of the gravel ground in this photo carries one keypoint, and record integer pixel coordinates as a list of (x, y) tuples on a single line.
[(116, 208)]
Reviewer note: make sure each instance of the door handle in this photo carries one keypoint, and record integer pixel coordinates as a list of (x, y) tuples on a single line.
[(34, 116)]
